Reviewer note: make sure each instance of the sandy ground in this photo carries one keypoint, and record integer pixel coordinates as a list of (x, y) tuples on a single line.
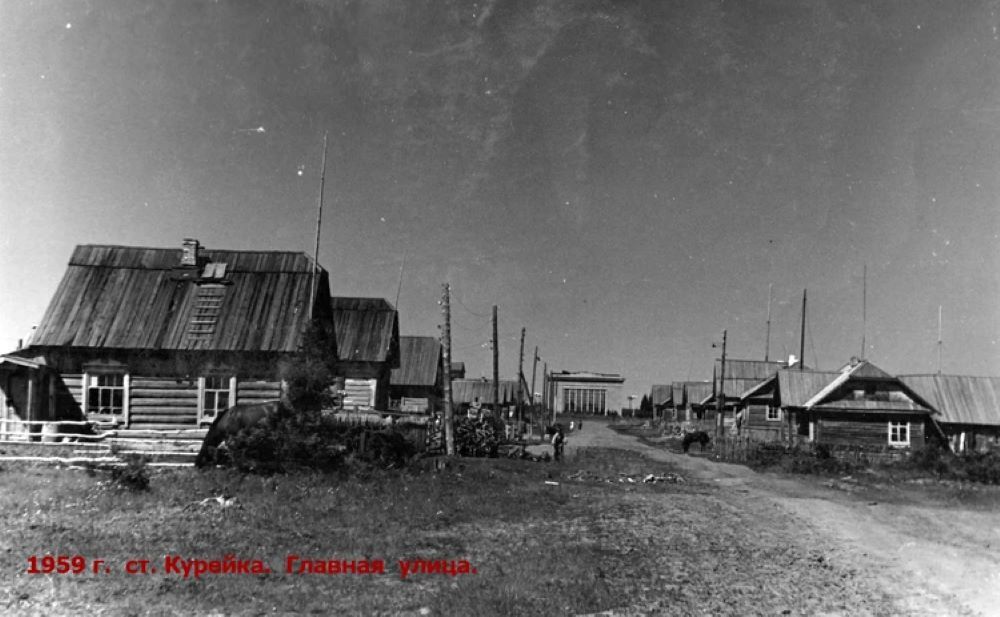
[(936, 559)]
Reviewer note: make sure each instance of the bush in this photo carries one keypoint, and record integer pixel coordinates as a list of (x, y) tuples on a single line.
[(979, 467), (134, 476), (311, 440), (932, 458)]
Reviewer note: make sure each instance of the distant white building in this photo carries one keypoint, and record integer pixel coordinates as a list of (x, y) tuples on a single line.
[(585, 392)]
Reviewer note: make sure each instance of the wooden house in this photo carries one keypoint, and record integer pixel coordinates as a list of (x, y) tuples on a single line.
[(661, 396), (416, 386), (167, 337), (968, 408), (367, 331), (472, 394), (866, 406), (770, 410), (694, 395), (738, 377)]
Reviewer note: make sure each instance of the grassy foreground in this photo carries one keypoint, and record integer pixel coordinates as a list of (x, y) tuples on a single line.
[(592, 542)]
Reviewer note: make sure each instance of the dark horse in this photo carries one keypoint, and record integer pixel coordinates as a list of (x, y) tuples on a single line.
[(232, 421), (697, 436)]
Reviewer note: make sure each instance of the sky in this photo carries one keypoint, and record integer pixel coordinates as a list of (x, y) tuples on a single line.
[(624, 180)]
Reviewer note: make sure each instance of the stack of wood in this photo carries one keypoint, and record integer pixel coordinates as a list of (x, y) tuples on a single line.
[(477, 438)]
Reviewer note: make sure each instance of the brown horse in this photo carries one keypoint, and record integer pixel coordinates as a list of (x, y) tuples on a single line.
[(231, 422)]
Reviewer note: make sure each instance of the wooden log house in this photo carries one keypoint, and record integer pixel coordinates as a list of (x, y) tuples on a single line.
[(157, 338), (416, 386), (367, 331), (968, 408), (859, 405)]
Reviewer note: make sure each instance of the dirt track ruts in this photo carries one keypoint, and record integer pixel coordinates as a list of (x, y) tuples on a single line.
[(930, 560)]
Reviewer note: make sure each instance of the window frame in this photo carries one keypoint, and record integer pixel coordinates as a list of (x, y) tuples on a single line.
[(771, 409), (897, 442), (203, 390), (96, 374)]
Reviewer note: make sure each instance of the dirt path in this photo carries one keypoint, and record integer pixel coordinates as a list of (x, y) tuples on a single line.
[(933, 559)]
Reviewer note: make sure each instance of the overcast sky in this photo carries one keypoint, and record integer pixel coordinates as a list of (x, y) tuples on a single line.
[(625, 180)]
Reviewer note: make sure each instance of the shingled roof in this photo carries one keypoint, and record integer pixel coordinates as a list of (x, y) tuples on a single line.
[(126, 297)]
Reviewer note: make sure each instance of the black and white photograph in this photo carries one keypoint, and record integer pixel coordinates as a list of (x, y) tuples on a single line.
[(500, 307)]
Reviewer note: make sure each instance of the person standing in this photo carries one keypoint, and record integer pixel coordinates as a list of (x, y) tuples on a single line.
[(558, 441)]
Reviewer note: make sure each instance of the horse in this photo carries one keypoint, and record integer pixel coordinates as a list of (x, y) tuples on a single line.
[(696, 436), (232, 421)]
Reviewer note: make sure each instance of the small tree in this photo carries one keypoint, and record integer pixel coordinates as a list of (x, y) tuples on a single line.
[(310, 373)]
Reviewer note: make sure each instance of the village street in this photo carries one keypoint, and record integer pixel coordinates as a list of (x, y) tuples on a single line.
[(931, 559)]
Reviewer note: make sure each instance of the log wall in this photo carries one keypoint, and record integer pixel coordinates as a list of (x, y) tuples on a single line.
[(861, 432)]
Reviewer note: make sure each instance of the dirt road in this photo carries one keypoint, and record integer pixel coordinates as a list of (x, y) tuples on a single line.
[(936, 559)]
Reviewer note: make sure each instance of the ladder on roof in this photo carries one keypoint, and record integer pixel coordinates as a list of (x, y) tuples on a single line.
[(205, 315)]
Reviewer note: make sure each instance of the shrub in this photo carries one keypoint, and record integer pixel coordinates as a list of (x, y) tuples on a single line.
[(134, 476), (311, 440), (980, 467)]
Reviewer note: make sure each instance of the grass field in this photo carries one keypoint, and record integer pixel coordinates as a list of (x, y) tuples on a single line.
[(546, 539)]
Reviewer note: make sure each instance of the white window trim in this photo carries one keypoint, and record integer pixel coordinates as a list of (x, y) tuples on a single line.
[(767, 413), (126, 392), (898, 442), (201, 398)]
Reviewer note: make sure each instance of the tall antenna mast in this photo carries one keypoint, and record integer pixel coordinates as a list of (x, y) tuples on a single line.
[(767, 344), (802, 334), (319, 224), (399, 287), (939, 339), (864, 310)]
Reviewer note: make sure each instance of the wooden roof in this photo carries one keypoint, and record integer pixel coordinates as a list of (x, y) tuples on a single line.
[(757, 370), (848, 392), (959, 399), (661, 394), (419, 361), (141, 298), (796, 387), (466, 390), (367, 329), (697, 391)]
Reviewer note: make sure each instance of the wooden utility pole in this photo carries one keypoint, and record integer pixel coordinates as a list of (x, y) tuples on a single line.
[(534, 369), (319, 226), (496, 364), (802, 335), (520, 378), (449, 420), (720, 398), (547, 391)]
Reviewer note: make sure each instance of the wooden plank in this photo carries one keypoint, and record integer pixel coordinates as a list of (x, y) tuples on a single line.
[(173, 395), (140, 420)]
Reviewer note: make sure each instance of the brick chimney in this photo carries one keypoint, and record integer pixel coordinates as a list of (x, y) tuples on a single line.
[(189, 254)]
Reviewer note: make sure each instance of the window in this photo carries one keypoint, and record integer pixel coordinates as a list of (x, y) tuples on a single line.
[(215, 396), (773, 413), (899, 433), (106, 394), (591, 400)]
